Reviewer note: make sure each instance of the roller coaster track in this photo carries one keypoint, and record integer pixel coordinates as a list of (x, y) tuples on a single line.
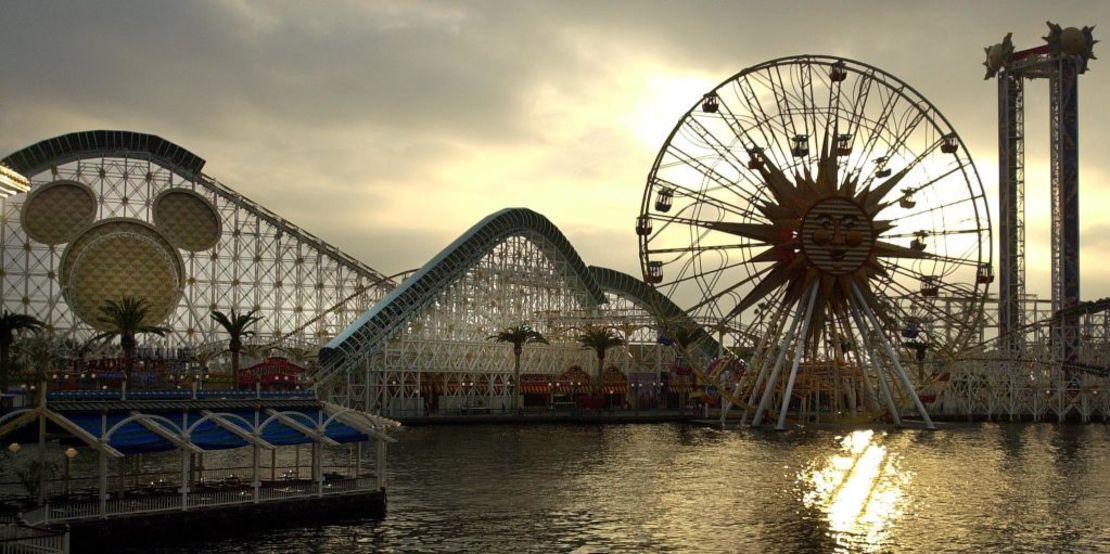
[(370, 332), (385, 319), (1082, 309)]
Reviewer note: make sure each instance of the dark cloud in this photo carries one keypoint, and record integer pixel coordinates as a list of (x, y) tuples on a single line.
[(340, 115)]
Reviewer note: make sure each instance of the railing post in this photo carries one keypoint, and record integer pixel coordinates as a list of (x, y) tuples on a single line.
[(255, 483), (317, 474), (185, 471), (103, 482), (379, 463), (358, 460)]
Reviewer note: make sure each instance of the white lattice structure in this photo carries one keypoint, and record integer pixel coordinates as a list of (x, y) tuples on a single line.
[(304, 289), (511, 267), (432, 329), (1036, 384), (102, 196)]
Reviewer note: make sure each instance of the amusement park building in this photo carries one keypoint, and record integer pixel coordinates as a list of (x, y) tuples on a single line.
[(114, 213)]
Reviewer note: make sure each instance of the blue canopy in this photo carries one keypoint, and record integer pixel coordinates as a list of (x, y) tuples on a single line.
[(131, 433)]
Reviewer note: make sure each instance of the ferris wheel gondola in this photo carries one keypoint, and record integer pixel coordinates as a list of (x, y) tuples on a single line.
[(818, 206)]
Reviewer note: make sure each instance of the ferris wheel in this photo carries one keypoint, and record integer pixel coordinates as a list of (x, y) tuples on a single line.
[(819, 217)]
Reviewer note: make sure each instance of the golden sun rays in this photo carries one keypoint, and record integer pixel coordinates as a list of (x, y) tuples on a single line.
[(815, 214), (821, 230)]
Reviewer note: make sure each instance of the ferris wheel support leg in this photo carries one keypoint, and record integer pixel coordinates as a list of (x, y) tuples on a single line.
[(876, 364), (871, 399), (871, 396), (797, 358), (899, 371), (764, 364), (757, 419), (764, 361)]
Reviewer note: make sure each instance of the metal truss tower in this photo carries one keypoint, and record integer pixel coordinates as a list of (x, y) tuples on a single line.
[(1011, 198), (1060, 61)]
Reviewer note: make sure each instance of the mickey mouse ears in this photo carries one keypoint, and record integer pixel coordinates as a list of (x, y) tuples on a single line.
[(187, 219), (58, 211)]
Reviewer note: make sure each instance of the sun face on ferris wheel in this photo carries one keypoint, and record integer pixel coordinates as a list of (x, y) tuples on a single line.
[(820, 231), (821, 203)]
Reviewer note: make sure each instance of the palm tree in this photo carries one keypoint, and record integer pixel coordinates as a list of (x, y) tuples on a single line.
[(10, 325), (125, 318), (43, 353), (518, 335), (600, 339), (236, 326)]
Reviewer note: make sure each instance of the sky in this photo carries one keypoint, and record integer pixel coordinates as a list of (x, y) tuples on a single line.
[(389, 128)]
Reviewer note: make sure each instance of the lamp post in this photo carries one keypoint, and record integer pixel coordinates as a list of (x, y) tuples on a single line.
[(467, 387), (389, 393), (70, 454)]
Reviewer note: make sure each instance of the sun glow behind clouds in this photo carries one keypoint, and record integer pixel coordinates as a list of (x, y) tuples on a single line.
[(663, 91), (584, 150), (859, 490)]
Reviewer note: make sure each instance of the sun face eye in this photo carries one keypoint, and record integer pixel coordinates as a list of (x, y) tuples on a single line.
[(848, 221)]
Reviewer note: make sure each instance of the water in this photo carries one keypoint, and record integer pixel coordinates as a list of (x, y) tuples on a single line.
[(678, 488)]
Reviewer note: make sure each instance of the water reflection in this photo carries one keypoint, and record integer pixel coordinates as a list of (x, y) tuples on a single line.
[(859, 490), (674, 489)]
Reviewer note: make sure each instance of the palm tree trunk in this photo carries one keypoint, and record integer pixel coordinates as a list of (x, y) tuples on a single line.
[(127, 342), (127, 365), (600, 363), (5, 356), (235, 369), (516, 380)]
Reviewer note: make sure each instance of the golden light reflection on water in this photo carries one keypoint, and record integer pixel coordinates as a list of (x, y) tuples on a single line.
[(859, 490)]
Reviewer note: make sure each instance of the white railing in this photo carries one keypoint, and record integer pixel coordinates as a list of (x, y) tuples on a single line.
[(287, 490), (218, 497), (21, 539), (216, 493), (143, 503), (71, 510)]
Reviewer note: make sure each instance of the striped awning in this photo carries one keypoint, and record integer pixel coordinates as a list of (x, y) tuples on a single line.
[(537, 383), (613, 381)]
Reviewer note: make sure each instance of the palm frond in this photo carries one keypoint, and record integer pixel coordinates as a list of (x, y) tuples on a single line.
[(235, 323), (126, 317), (599, 339), (11, 322), (520, 334)]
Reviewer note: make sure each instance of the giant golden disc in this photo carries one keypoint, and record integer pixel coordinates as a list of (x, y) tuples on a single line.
[(56, 212), (121, 257), (188, 219)]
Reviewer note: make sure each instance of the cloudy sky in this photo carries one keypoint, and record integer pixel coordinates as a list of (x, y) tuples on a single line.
[(389, 128)]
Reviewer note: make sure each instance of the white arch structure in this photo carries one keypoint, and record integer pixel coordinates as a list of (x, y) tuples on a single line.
[(512, 266)]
